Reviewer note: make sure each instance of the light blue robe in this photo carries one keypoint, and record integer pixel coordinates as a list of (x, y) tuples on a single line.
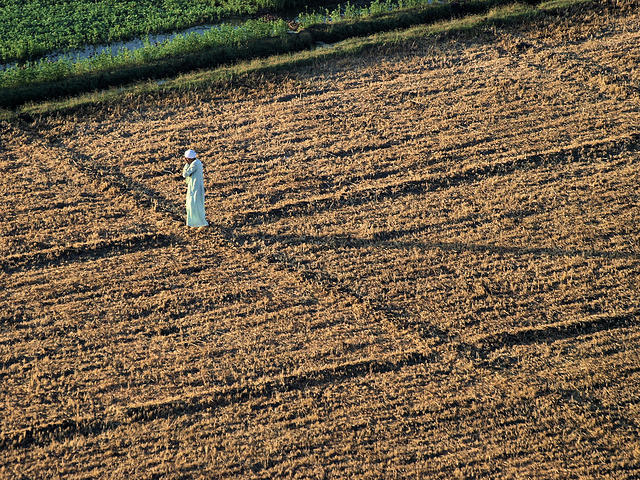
[(195, 194)]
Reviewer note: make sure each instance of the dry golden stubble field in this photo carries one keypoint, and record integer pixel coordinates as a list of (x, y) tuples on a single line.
[(423, 262)]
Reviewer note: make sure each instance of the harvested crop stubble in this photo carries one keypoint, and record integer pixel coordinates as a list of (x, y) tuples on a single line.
[(43, 213), (422, 263)]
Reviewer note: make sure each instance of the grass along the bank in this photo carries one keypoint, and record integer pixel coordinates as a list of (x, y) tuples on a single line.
[(7, 115), (223, 76), (226, 35), (43, 80), (349, 11)]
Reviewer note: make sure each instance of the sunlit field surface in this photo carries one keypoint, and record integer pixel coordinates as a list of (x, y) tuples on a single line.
[(423, 262)]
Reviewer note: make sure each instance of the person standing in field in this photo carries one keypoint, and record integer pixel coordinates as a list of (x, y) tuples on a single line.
[(193, 175)]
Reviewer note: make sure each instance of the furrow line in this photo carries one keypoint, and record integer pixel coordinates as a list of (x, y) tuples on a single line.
[(604, 149), (554, 332), (395, 317), (110, 175), (85, 251), (67, 428), (391, 239)]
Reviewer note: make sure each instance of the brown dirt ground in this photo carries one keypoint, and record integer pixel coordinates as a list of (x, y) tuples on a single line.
[(423, 263)]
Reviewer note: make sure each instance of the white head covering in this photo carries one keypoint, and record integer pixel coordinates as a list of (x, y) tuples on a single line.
[(190, 154)]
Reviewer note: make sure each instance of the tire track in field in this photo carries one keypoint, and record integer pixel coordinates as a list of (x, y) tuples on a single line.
[(604, 149)]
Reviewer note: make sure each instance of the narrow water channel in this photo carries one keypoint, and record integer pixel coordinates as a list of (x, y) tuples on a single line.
[(113, 48)]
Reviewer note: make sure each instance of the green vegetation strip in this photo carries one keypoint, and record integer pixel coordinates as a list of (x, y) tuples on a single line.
[(32, 28), (184, 53), (510, 14)]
